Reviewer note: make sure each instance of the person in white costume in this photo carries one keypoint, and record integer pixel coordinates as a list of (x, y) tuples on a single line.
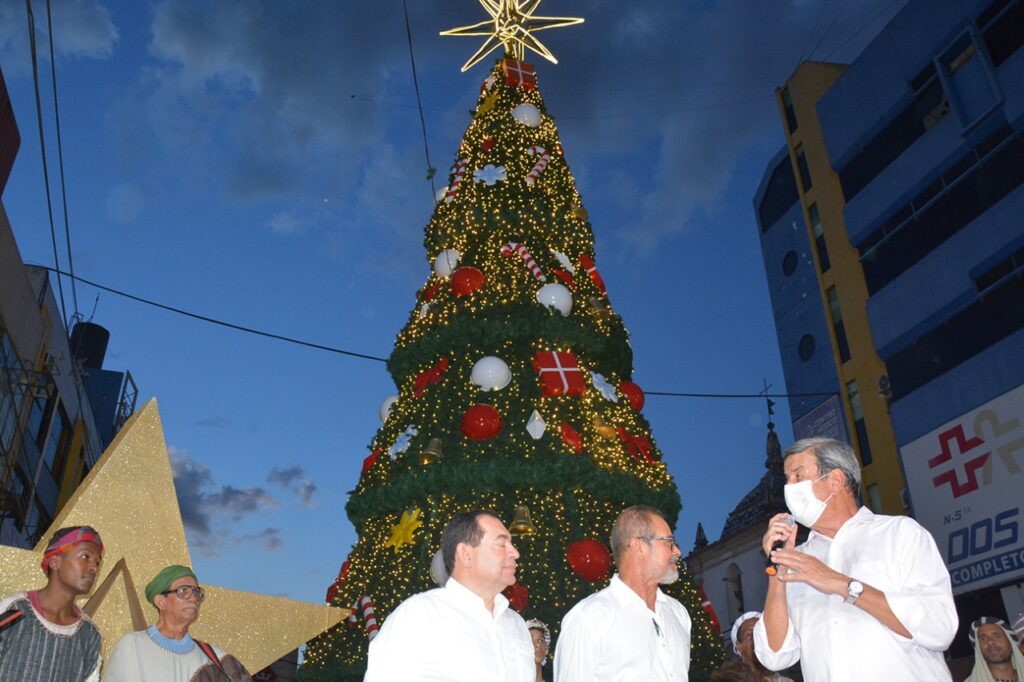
[(867, 597), (630, 631), (464, 631), (165, 652)]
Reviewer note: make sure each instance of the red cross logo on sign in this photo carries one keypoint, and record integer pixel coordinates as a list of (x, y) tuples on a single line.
[(971, 466)]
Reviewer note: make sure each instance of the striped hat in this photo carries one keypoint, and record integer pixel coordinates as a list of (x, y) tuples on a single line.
[(992, 620)]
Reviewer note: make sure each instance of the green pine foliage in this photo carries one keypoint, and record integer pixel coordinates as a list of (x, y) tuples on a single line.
[(573, 485)]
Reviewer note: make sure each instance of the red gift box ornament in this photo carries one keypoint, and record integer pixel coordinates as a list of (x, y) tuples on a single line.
[(519, 74), (429, 377), (559, 373), (588, 264)]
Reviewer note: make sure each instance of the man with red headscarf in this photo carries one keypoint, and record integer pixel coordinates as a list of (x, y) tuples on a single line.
[(44, 637)]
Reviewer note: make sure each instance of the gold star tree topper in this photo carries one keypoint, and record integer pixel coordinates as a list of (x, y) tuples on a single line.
[(129, 498), (512, 24)]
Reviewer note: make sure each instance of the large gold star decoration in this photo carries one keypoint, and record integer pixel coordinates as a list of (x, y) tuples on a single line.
[(512, 24), (402, 532), (129, 498)]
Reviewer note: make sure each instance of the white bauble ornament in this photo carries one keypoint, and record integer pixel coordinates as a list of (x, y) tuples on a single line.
[(490, 373), (446, 262), (527, 114), (385, 407), (555, 296), (437, 571)]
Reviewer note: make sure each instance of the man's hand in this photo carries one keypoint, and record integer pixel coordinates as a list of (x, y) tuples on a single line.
[(804, 568), (779, 529)]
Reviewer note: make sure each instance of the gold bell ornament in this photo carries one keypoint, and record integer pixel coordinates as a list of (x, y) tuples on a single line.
[(521, 523), (432, 453)]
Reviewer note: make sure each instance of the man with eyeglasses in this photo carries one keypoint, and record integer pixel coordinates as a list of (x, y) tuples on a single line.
[(630, 630), (165, 652)]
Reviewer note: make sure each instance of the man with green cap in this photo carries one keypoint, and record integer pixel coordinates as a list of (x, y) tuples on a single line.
[(165, 652)]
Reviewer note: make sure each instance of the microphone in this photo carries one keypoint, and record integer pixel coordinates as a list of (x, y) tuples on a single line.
[(769, 567)]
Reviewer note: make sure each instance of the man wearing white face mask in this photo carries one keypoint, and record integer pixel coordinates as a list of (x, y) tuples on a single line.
[(867, 597)]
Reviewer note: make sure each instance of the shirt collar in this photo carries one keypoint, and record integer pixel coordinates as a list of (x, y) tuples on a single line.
[(625, 595), (863, 517), (470, 599)]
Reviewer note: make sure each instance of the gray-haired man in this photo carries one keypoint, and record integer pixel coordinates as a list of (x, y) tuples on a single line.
[(867, 597)]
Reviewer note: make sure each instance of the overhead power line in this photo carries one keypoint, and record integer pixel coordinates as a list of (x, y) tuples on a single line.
[(60, 158), (419, 103), (365, 356), (222, 323), (42, 148)]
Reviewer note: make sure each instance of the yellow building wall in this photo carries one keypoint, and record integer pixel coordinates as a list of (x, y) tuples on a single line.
[(810, 81)]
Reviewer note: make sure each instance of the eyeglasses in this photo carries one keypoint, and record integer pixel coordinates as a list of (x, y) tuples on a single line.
[(185, 591), (663, 538)]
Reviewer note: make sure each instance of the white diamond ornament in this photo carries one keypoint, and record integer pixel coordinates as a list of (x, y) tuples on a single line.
[(535, 425), (446, 262), (555, 296), (490, 373), (527, 114), (385, 407)]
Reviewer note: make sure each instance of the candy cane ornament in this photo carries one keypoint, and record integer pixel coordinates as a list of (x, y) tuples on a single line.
[(508, 248), (543, 157), (459, 169), (364, 605)]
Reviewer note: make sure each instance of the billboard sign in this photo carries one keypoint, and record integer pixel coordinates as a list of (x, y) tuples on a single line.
[(967, 485)]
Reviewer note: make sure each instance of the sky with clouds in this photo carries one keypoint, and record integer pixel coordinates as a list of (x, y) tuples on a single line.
[(262, 162)]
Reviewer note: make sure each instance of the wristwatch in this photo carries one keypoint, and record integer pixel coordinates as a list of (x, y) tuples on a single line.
[(853, 591)]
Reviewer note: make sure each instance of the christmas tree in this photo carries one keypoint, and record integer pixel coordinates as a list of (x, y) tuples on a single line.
[(514, 394)]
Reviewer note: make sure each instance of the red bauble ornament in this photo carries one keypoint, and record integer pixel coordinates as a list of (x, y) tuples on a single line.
[(487, 145), (481, 421), (634, 394), (518, 595), (467, 280), (590, 559)]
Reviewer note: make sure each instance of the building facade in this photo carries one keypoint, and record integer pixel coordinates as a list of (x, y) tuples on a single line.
[(912, 158), (50, 394)]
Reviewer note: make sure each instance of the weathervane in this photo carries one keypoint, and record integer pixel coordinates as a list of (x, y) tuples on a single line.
[(512, 24)]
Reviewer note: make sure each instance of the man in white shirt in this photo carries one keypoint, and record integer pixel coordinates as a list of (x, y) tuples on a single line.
[(630, 630), (867, 598), (464, 631)]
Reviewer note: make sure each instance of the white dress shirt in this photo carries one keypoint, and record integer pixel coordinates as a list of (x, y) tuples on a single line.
[(839, 642), (447, 634), (612, 636)]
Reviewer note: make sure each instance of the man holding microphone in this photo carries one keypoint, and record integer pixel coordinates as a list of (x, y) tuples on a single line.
[(867, 597)]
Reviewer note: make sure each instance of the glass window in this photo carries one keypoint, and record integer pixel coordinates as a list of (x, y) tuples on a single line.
[(874, 498), (787, 105), (789, 263), (807, 347), (857, 411), (11, 393), (805, 173), (819, 238), (55, 452), (837, 324)]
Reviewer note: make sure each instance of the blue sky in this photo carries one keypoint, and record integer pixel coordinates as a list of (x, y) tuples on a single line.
[(262, 163)]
